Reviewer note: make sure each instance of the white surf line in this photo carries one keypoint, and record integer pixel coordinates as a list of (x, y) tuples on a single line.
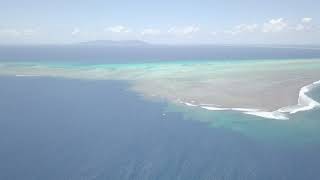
[(214, 108), (305, 103), (269, 115), (255, 112), (190, 104)]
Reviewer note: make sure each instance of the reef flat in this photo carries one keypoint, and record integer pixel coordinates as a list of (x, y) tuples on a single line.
[(267, 88)]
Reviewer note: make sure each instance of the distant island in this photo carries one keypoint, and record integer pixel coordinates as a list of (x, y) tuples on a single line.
[(115, 43)]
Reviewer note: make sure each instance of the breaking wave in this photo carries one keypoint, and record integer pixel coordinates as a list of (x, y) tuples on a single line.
[(305, 103)]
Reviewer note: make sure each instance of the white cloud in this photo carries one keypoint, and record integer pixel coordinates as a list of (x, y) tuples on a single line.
[(214, 33), (306, 20), (305, 24), (184, 31), (274, 25), (303, 27), (28, 32), (231, 32), (16, 33), (9, 32), (150, 31), (247, 27), (243, 28), (299, 27), (118, 29), (75, 31)]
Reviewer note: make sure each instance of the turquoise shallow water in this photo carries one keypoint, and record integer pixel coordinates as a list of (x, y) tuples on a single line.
[(302, 128)]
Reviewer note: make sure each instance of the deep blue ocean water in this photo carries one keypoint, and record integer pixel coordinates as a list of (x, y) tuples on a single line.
[(74, 129), (60, 129), (102, 54)]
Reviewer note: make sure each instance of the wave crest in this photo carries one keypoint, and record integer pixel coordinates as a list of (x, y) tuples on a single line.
[(305, 103)]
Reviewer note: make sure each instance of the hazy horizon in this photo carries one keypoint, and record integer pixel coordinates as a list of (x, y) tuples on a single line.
[(151, 43)]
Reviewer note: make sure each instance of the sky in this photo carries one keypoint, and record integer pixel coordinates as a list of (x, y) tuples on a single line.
[(162, 21)]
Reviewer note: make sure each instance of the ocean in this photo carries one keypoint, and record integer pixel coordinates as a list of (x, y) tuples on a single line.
[(60, 128)]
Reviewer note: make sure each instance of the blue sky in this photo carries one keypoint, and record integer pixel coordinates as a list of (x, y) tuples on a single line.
[(166, 21)]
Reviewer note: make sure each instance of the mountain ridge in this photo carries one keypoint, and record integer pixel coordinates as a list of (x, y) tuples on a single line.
[(115, 43)]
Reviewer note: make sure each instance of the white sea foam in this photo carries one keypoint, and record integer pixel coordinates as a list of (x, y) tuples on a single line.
[(256, 112), (214, 108), (269, 115), (231, 109), (305, 103), (244, 109), (190, 104), (206, 104)]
